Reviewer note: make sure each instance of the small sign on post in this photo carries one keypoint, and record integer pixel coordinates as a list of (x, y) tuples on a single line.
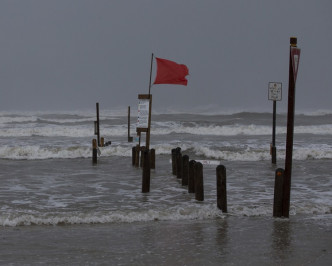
[(143, 112), (275, 91), (144, 117), (275, 94)]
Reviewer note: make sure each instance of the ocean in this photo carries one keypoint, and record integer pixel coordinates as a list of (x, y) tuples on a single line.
[(57, 208)]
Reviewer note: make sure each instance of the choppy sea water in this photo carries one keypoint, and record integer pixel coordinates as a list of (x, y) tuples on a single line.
[(58, 208)]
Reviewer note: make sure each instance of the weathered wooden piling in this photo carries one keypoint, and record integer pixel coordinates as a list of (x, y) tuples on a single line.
[(153, 158), (146, 172), (179, 164), (97, 124), (191, 177), (221, 188), (278, 193), (102, 142), (142, 149), (133, 155), (185, 170), (174, 161), (199, 186), (130, 139), (94, 151), (137, 151)]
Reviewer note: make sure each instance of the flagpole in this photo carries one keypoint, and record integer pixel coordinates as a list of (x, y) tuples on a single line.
[(150, 73), (147, 143)]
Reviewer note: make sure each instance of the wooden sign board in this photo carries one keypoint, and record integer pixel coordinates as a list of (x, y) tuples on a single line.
[(144, 103)]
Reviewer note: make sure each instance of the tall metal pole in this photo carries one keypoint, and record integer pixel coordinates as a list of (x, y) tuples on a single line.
[(290, 134), (274, 151)]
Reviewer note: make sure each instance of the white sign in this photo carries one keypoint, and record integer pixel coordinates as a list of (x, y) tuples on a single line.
[(143, 113), (295, 52), (275, 91)]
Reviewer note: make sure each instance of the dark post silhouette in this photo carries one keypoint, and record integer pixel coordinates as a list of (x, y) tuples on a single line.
[(278, 192), (221, 188), (146, 172), (199, 186), (191, 177), (94, 151), (185, 170)]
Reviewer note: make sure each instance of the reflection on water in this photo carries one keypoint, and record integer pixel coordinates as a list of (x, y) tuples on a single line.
[(281, 239)]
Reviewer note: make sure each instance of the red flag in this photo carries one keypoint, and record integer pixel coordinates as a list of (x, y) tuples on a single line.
[(169, 72)]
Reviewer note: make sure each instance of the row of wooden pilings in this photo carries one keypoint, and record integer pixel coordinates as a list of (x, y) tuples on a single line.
[(191, 174)]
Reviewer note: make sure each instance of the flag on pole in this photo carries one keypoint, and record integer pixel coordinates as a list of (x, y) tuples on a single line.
[(169, 72)]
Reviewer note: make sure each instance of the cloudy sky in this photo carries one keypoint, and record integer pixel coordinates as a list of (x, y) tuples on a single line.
[(70, 54)]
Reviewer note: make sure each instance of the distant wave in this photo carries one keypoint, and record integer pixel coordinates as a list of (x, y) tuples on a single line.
[(123, 112), (161, 128)]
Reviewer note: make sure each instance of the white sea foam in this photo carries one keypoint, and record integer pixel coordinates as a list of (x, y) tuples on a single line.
[(60, 131), (189, 212), (34, 152), (241, 153), (236, 129)]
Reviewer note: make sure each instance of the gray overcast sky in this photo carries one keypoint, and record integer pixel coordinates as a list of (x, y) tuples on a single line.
[(69, 54)]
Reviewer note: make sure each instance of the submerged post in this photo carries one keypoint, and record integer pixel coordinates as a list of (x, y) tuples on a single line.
[(221, 188), (294, 57), (94, 151), (153, 158), (137, 151), (97, 124), (278, 192), (130, 139), (191, 177), (185, 170), (174, 161), (133, 155), (146, 172), (179, 165), (199, 186)]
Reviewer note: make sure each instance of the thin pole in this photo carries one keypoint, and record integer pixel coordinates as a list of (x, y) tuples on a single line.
[(98, 133), (150, 73), (150, 108), (274, 124), (274, 149)]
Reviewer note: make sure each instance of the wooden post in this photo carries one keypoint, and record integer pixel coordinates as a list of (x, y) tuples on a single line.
[(153, 158), (102, 142), (290, 134), (98, 131), (142, 149), (199, 186), (274, 149), (174, 161), (147, 142), (221, 188), (179, 165), (133, 155), (185, 170), (94, 151), (130, 139), (191, 177), (146, 172), (137, 151), (278, 192)]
